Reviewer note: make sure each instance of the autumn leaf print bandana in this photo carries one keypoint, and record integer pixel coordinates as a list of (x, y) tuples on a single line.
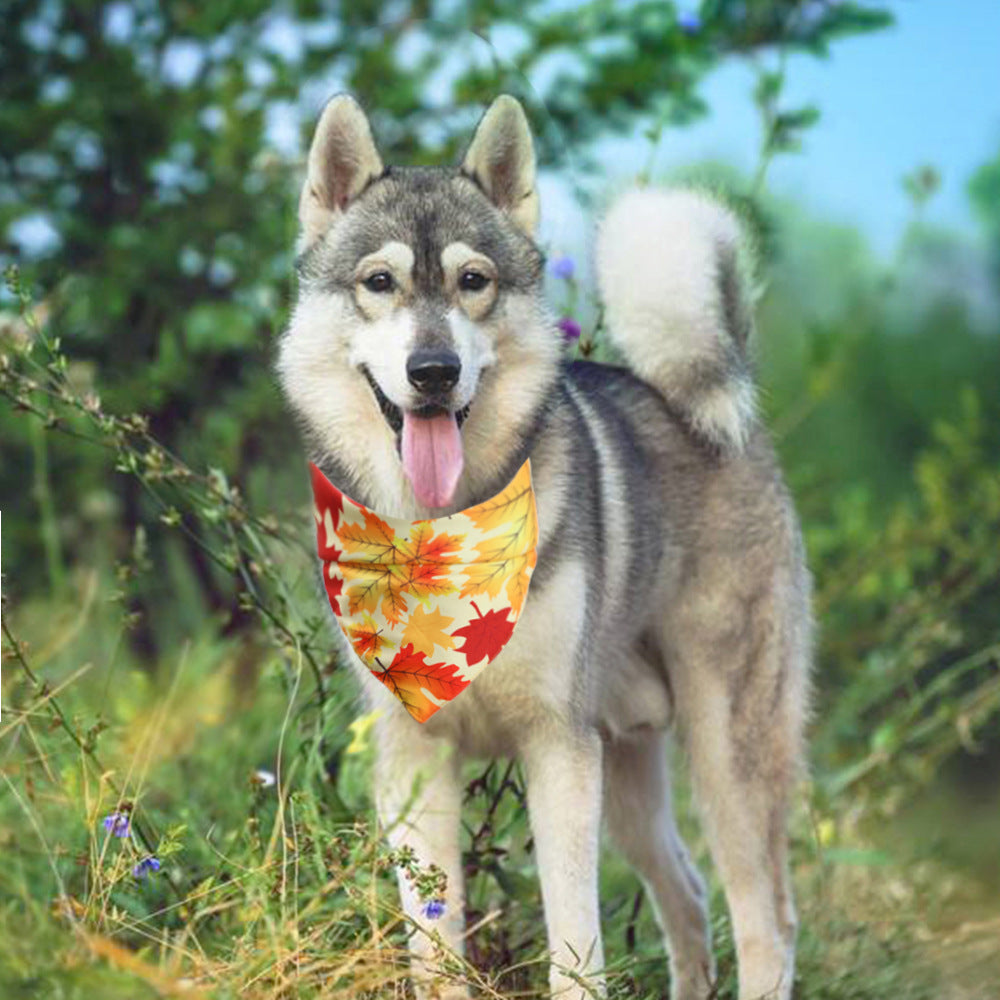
[(427, 605)]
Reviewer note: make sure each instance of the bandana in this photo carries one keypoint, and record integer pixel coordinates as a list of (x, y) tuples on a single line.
[(427, 605)]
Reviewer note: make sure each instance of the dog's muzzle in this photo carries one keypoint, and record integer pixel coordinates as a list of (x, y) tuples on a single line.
[(433, 373)]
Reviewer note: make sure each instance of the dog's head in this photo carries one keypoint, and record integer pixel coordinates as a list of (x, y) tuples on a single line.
[(420, 302)]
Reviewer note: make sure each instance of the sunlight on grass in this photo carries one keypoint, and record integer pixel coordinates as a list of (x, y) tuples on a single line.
[(285, 889)]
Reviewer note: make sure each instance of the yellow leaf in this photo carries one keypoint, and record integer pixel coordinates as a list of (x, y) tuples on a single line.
[(360, 730), (426, 629), (484, 578), (512, 510), (497, 570), (826, 832), (517, 583)]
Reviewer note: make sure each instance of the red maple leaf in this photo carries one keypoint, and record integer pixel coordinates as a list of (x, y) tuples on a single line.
[(334, 588), (409, 671), (485, 635), (326, 497)]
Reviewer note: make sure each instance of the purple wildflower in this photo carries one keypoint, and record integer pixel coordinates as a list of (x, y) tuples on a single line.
[(571, 330), (688, 21), (563, 267), (434, 909), (147, 865), (117, 823)]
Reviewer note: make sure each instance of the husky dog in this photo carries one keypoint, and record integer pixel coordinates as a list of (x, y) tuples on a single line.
[(670, 590)]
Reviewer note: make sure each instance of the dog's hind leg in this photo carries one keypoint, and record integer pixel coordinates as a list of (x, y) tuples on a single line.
[(563, 771), (738, 674), (640, 820), (744, 807), (419, 800)]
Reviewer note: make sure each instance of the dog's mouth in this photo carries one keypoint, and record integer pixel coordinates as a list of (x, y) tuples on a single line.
[(394, 414), (429, 443)]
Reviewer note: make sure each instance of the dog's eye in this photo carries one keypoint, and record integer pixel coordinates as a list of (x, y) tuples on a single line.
[(380, 281), (472, 281)]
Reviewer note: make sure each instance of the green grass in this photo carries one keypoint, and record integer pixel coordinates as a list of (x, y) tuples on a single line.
[(286, 891)]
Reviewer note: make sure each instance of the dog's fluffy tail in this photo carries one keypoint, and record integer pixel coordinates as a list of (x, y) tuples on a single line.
[(674, 274)]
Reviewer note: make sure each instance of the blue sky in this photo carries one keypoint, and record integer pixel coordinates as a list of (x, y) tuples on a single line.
[(924, 91)]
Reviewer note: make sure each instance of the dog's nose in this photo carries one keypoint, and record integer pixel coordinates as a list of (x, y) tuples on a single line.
[(433, 371)]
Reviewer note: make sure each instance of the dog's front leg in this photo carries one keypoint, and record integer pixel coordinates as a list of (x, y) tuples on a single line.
[(419, 800), (563, 770)]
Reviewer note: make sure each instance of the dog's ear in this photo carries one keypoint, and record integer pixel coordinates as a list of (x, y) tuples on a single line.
[(342, 160), (501, 160)]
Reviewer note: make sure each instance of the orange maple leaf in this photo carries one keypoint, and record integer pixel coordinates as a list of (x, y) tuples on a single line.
[(375, 539), (512, 575), (429, 560), (428, 547), (381, 568), (367, 639), (426, 629), (409, 675), (374, 585)]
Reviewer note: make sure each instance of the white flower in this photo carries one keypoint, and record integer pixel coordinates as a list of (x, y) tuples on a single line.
[(264, 779)]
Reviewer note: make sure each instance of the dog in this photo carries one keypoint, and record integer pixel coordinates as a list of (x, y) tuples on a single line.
[(670, 595)]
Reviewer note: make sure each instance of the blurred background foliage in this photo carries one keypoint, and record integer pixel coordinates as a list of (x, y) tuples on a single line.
[(160, 613)]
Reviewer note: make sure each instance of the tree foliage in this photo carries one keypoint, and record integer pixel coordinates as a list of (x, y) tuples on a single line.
[(149, 156)]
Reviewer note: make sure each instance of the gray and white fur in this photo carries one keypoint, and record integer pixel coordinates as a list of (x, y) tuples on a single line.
[(670, 598)]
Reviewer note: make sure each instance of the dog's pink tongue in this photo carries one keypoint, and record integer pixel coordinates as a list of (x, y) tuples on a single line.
[(432, 457)]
